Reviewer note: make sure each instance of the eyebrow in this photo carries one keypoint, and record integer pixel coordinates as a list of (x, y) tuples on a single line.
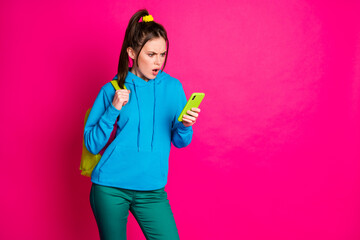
[(155, 52)]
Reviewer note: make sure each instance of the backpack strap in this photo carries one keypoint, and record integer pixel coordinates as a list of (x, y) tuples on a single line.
[(116, 85)]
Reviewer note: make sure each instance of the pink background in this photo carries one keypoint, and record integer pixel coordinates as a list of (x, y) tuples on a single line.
[(275, 152)]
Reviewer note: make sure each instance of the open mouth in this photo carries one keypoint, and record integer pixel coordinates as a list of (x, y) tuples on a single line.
[(155, 71)]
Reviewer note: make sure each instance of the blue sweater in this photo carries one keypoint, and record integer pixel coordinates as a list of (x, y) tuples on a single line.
[(138, 158)]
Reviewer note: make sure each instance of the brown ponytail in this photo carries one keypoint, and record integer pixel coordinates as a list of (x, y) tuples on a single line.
[(136, 35)]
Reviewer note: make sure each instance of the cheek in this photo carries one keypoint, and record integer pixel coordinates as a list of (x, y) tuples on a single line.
[(141, 63), (145, 62)]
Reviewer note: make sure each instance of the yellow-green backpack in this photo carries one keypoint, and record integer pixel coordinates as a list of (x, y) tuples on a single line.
[(89, 160)]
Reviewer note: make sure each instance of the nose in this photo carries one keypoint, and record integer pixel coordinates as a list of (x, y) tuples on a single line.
[(157, 60)]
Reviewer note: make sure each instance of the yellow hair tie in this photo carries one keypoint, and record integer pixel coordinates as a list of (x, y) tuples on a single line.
[(147, 18)]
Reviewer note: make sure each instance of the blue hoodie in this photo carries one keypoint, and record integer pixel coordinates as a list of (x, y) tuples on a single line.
[(138, 157)]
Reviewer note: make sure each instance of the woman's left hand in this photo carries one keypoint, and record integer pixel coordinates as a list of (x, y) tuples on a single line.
[(190, 120)]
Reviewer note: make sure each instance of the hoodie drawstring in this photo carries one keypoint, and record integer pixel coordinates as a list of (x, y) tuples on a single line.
[(137, 101), (152, 138)]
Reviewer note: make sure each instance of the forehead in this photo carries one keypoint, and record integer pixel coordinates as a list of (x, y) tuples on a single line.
[(155, 44)]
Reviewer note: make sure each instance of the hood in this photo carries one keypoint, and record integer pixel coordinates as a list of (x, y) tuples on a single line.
[(138, 82)]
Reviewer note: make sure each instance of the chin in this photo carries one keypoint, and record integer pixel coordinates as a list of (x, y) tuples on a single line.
[(150, 77)]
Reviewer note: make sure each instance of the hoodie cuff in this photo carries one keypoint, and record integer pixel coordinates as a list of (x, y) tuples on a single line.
[(111, 114), (183, 129)]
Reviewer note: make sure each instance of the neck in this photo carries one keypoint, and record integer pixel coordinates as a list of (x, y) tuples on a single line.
[(135, 71)]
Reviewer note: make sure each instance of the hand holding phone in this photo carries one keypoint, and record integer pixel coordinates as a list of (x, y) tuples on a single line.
[(193, 102)]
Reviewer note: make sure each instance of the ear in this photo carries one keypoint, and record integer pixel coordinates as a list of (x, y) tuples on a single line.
[(131, 53)]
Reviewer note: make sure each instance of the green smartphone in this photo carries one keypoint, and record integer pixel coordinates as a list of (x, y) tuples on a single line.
[(193, 102)]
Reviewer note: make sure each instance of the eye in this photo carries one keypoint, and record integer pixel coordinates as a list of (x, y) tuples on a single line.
[(151, 54), (163, 54)]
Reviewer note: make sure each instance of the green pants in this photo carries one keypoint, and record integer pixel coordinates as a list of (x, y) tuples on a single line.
[(151, 210)]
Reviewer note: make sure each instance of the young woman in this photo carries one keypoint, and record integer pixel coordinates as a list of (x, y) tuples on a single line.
[(132, 173)]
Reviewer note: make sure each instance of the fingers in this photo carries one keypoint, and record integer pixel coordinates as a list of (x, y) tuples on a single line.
[(121, 98), (189, 118), (122, 95), (122, 92), (193, 112)]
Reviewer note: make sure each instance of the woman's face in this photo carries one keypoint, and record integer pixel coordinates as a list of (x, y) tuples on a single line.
[(150, 59)]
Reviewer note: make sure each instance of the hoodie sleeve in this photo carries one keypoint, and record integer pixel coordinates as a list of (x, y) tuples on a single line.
[(100, 123), (180, 135)]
